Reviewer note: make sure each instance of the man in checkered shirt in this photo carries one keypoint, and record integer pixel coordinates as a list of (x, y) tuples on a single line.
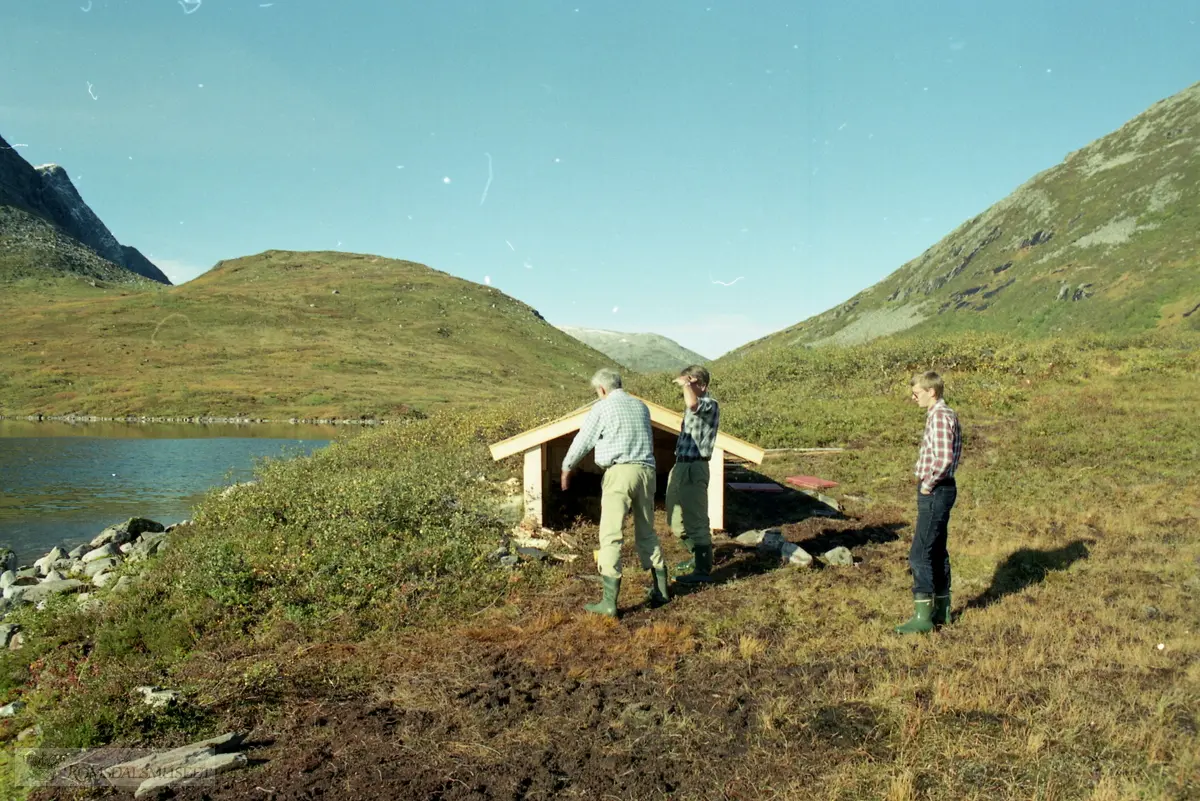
[(941, 448), (687, 485), (618, 427)]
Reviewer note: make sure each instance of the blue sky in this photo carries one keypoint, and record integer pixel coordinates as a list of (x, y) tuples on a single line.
[(640, 152)]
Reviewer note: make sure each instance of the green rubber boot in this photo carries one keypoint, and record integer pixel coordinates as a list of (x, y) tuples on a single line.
[(660, 592), (689, 564), (608, 604), (922, 619), (941, 609), (701, 573)]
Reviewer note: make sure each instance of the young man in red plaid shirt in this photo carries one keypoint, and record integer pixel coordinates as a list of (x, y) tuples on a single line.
[(941, 448)]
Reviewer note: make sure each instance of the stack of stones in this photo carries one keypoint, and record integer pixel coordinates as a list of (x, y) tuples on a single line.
[(94, 565)]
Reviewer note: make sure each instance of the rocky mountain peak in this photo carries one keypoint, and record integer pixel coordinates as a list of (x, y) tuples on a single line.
[(47, 191)]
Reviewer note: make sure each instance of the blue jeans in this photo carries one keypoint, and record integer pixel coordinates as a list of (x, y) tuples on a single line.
[(928, 557)]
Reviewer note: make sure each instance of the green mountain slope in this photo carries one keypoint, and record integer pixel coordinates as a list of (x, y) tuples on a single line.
[(1105, 241), (277, 335), (642, 353)]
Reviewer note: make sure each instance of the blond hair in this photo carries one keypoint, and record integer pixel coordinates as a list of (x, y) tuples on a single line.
[(929, 380)]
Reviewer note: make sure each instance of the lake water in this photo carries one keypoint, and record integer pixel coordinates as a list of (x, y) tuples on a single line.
[(61, 484)]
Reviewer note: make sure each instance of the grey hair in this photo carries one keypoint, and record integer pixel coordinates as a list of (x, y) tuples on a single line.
[(607, 379)]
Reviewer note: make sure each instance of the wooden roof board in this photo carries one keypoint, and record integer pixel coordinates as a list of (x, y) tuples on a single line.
[(660, 417)]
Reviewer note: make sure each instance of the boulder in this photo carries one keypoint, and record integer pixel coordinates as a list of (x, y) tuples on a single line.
[(535, 554), (838, 557), (113, 535), (106, 551), (7, 630), (145, 547), (753, 537), (772, 541), (46, 563), (125, 532), (795, 555), (8, 559), (47, 589), (15, 590), (102, 578), (28, 572), (829, 501), (55, 575), (93, 569), (10, 710), (201, 770), (178, 766), (78, 551), (157, 697), (7, 578), (531, 542)]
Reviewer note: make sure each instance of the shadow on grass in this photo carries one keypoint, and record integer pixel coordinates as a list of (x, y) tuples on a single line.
[(1026, 567), (749, 510), (730, 562), (852, 538)]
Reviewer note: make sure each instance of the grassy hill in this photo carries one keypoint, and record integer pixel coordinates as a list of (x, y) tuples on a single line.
[(1108, 240), (345, 611), (278, 335), (643, 353)]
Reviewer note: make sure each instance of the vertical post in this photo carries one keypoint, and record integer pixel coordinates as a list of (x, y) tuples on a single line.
[(535, 484), (716, 490)]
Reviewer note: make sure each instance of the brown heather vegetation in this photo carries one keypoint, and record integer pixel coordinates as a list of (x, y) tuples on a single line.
[(361, 635)]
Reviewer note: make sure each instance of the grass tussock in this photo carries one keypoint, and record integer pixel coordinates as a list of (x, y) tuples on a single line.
[(359, 573)]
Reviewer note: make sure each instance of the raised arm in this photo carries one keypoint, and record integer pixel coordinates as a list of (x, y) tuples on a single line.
[(690, 398)]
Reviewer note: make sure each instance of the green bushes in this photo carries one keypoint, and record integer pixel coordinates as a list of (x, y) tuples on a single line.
[(379, 530)]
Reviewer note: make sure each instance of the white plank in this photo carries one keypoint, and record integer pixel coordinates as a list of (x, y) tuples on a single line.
[(716, 490)]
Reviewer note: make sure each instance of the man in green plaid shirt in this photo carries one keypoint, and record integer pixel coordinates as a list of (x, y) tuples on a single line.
[(618, 427), (687, 486)]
